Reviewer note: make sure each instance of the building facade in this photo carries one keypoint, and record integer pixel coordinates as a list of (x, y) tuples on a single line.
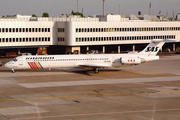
[(73, 32)]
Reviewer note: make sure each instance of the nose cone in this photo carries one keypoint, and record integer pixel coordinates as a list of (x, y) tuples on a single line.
[(7, 65)]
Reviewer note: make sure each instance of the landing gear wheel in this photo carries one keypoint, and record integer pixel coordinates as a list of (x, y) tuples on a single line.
[(12, 71), (96, 70)]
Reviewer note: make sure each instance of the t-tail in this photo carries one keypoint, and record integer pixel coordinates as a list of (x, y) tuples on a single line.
[(153, 48)]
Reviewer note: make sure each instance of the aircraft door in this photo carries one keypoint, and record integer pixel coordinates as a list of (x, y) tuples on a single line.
[(20, 60)]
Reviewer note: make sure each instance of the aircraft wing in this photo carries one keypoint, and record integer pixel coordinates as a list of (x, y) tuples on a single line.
[(93, 65)]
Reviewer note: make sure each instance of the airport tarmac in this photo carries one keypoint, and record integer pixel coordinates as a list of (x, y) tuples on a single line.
[(150, 91)]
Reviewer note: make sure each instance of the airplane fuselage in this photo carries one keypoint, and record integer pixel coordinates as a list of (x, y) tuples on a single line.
[(65, 61)]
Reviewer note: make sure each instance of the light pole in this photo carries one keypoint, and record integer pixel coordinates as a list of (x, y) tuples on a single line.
[(103, 7), (77, 5), (149, 8), (119, 9)]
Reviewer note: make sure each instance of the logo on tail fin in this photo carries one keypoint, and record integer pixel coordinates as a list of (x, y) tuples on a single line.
[(152, 49)]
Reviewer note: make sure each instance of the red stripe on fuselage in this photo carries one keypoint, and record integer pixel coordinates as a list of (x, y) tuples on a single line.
[(30, 65), (36, 65)]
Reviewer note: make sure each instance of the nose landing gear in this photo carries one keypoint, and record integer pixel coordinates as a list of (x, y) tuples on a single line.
[(12, 70), (96, 70)]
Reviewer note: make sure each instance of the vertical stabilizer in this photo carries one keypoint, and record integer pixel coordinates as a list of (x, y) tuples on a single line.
[(153, 48)]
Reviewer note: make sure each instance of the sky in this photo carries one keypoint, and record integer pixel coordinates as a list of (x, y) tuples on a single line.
[(90, 7)]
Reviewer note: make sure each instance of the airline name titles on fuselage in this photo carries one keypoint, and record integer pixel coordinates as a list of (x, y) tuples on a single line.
[(39, 58)]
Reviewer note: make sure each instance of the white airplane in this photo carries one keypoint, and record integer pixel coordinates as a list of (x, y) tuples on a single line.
[(94, 61)]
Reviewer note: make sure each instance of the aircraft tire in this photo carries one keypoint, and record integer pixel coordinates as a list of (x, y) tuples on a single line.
[(96, 70), (12, 71)]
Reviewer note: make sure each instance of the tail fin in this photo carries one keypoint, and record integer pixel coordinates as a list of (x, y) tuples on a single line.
[(153, 48)]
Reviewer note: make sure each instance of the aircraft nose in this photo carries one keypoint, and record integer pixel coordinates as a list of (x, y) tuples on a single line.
[(7, 65)]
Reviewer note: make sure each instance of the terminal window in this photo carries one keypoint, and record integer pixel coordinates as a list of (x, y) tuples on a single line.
[(62, 30), (76, 30), (125, 38), (127, 29)]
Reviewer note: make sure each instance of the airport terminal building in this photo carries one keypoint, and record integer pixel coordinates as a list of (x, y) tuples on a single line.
[(71, 33)]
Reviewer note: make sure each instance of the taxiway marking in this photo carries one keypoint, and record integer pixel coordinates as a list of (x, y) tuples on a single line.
[(99, 82), (4, 73), (91, 95), (105, 113)]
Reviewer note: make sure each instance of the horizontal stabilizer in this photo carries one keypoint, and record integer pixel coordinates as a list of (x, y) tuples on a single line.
[(156, 41)]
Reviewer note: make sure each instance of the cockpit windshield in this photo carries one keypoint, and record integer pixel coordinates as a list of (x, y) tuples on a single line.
[(14, 60)]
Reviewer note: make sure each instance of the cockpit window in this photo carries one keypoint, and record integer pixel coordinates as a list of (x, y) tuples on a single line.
[(14, 60)]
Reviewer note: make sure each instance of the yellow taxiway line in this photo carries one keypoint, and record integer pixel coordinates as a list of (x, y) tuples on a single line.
[(4, 73)]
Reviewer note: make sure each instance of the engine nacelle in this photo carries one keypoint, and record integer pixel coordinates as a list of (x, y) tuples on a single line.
[(132, 61)]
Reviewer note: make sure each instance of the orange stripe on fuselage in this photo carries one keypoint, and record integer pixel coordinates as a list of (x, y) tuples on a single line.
[(38, 65)]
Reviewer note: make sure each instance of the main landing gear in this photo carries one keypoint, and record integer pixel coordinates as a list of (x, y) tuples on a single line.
[(12, 70), (96, 70)]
